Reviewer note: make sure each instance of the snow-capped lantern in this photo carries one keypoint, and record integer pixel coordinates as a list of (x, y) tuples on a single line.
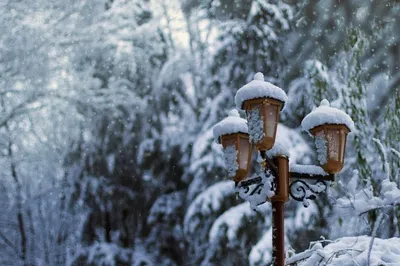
[(262, 102), (330, 127), (232, 133)]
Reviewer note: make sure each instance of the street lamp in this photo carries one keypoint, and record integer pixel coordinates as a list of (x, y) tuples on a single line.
[(262, 102)]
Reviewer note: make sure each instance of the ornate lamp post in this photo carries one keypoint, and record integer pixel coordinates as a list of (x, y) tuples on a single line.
[(262, 102)]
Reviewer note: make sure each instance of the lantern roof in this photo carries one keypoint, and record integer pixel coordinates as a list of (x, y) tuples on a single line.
[(325, 114), (230, 125), (258, 88)]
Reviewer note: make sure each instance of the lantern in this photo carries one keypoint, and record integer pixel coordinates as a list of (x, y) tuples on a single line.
[(262, 102), (232, 134), (237, 153), (330, 127)]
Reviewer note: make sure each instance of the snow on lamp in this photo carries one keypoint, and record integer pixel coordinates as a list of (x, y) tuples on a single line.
[(262, 102), (280, 154), (232, 133), (330, 127)]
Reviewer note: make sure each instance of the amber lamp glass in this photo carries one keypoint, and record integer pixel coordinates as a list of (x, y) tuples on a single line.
[(241, 143), (262, 117), (331, 144)]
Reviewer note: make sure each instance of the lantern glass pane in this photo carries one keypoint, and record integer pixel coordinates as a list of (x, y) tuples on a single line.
[(342, 144), (244, 153), (229, 142), (321, 145), (333, 142), (255, 123), (271, 120), (230, 155)]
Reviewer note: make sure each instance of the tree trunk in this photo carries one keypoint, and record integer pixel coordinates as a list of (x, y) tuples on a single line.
[(107, 226), (20, 218)]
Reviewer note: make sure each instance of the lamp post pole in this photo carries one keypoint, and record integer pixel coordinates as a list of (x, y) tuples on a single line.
[(278, 233), (278, 207)]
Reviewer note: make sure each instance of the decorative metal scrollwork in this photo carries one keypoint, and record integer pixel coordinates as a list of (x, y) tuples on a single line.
[(245, 185), (249, 182), (301, 191), (257, 190)]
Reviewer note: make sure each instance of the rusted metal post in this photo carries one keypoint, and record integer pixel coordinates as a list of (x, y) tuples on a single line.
[(278, 233)]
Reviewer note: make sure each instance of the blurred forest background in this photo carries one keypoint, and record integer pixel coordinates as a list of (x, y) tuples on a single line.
[(106, 114)]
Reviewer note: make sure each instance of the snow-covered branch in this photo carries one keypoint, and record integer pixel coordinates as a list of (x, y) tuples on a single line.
[(346, 249)]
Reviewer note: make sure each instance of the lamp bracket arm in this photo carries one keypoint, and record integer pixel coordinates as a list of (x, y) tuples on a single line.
[(270, 163), (249, 182), (300, 190), (255, 190), (329, 177)]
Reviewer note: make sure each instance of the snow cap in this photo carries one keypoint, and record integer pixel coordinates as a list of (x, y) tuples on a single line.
[(325, 114), (281, 146), (258, 88), (232, 124)]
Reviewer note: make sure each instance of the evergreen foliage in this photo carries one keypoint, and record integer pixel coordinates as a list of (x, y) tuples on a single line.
[(106, 116)]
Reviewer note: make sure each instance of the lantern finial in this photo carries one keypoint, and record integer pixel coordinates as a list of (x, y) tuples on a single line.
[(234, 113), (259, 76), (325, 102)]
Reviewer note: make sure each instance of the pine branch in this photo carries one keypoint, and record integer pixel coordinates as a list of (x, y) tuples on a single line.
[(8, 242), (376, 227), (392, 90), (380, 207)]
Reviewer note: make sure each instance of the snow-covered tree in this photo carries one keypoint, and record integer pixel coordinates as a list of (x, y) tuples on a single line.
[(112, 164)]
